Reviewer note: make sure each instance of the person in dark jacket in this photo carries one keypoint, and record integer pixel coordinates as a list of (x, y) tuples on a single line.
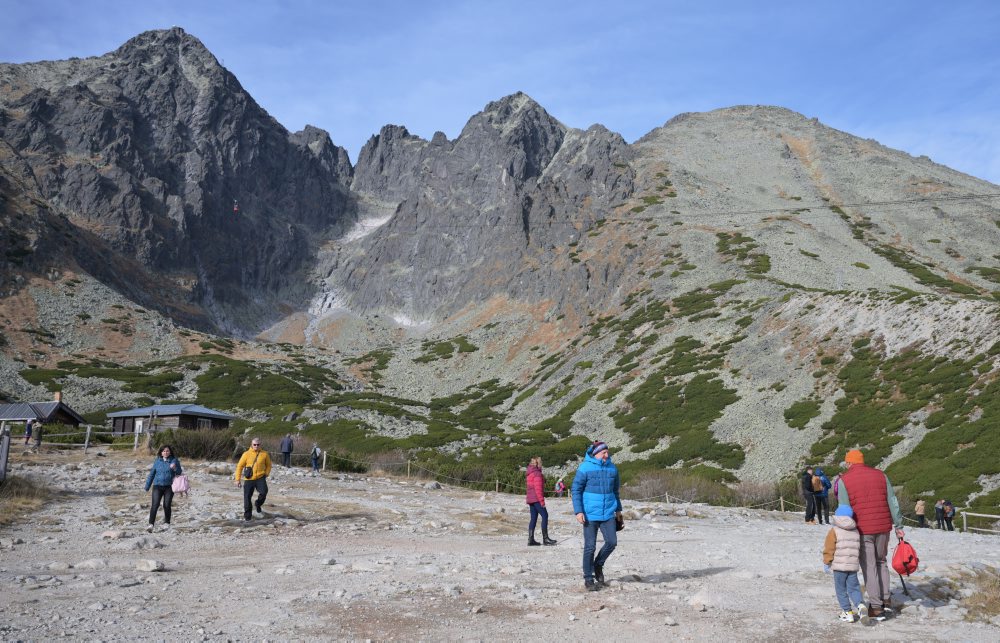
[(949, 514), (286, 447), (822, 497), (535, 498), (161, 479), (869, 493), (28, 427), (809, 496), (939, 513), (598, 507)]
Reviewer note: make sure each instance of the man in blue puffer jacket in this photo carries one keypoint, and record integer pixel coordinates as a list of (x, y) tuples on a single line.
[(597, 506)]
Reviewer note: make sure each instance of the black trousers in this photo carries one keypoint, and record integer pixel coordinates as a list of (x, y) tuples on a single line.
[(810, 506), (286, 458), (165, 493), (249, 486), (823, 509), (921, 521), (947, 521)]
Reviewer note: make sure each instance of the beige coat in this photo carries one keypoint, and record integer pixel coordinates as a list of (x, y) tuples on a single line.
[(919, 509), (842, 548)]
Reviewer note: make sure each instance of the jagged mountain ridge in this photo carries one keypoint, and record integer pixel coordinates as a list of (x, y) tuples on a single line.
[(149, 146)]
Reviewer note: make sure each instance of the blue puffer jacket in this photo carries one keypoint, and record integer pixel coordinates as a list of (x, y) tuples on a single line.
[(826, 484), (161, 474), (595, 489)]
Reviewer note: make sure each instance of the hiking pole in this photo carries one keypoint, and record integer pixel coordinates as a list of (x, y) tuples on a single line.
[(905, 591)]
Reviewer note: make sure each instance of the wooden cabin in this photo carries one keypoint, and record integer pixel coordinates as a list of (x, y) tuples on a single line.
[(167, 416)]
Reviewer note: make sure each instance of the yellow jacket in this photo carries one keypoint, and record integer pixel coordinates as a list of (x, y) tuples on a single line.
[(259, 460)]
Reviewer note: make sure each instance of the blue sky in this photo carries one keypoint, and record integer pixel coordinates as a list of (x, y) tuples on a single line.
[(917, 76)]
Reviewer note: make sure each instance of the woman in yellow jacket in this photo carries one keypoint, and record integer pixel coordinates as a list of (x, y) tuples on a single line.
[(252, 471)]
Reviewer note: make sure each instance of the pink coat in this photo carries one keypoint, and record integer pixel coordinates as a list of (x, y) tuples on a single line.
[(536, 486)]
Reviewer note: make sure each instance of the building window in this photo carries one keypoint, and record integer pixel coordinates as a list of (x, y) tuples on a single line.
[(204, 423)]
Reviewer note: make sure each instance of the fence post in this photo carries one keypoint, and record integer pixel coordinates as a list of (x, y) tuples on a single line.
[(965, 524), (782, 499), (324, 461), (5, 440), (135, 443), (407, 468), (498, 486), (86, 440)]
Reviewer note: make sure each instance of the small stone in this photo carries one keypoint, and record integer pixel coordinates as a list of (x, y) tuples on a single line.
[(572, 617), (669, 621), (478, 609), (149, 565), (112, 534)]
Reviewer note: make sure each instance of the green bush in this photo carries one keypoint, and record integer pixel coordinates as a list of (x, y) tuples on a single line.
[(200, 444)]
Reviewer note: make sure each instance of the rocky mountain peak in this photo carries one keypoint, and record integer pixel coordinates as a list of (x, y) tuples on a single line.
[(333, 157)]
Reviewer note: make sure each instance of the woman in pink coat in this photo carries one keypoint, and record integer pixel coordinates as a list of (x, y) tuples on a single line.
[(536, 500)]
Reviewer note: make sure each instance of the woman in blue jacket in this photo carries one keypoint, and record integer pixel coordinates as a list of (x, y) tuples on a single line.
[(161, 478), (598, 507)]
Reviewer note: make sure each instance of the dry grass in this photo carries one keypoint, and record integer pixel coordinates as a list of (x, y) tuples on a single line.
[(20, 497), (985, 603)]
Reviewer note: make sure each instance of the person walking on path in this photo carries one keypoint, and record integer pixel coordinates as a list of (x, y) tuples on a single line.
[(286, 447), (38, 431), (949, 514), (161, 479), (939, 513), (560, 488), (598, 507), (809, 496), (535, 498), (822, 500), (251, 472), (920, 509), (841, 555), (315, 455), (28, 426), (869, 493)]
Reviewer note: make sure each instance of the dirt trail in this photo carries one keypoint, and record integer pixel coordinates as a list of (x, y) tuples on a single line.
[(372, 557)]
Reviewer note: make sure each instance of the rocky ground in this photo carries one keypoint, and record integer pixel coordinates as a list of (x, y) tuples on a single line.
[(360, 557)]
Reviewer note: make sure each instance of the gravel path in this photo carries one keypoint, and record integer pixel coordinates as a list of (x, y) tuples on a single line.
[(371, 557)]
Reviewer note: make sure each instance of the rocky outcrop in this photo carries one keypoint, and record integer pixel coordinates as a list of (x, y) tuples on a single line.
[(151, 146)]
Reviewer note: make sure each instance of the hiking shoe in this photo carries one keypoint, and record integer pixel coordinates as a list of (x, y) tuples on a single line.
[(863, 613), (258, 510), (876, 614), (599, 574), (149, 528), (591, 586), (847, 617)]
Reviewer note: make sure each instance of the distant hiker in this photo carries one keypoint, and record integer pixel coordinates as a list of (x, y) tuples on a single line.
[(841, 555), (38, 431), (286, 446), (598, 507), (939, 513), (560, 488), (869, 493), (535, 498), (949, 514), (919, 509), (821, 489), (28, 426), (161, 479), (315, 455), (809, 495), (253, 468)]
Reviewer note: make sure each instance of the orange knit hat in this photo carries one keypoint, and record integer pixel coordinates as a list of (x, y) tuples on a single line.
[(854, 457)]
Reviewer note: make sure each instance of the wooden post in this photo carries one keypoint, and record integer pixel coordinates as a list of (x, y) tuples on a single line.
[(782, 499), (324, 461), (965, 524), (407, 468), (498, 486), (86, 440), (135, 443)]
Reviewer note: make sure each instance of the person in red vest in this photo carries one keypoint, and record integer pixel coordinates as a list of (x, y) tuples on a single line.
[(869, 492)]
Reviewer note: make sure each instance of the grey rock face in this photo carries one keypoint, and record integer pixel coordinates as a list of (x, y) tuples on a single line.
[(490, 205), (149, 146)]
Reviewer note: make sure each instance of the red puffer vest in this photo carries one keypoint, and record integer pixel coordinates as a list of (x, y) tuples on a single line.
[(866, 487)]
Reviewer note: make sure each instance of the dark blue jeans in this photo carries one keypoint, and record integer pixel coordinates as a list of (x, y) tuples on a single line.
[(590, 528), (538, 510)]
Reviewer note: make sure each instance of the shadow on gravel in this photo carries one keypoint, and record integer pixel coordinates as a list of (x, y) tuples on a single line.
[(270, 517), (666, 578)]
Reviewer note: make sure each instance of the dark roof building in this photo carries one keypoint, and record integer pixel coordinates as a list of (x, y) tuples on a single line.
[(54, 412), (168, 416)]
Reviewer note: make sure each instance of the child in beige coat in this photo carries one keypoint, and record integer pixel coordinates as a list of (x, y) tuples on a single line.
[(841, 555)]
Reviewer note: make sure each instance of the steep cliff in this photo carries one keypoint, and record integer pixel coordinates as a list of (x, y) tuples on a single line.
[(151, 147)]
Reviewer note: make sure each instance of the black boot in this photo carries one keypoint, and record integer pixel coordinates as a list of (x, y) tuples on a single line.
[(545, 538), (531, 539)]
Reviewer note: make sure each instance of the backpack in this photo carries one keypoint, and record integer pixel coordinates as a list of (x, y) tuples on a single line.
[(817, 483), (904, 559)]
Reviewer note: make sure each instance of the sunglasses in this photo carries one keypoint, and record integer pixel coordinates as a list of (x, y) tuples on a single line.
[(255, 445)]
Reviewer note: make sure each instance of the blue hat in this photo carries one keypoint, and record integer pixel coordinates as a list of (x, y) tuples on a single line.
[(598, 447), (844, 510)]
